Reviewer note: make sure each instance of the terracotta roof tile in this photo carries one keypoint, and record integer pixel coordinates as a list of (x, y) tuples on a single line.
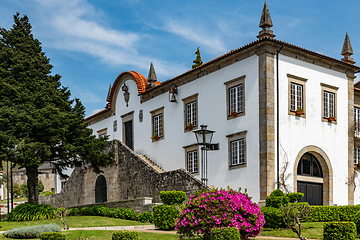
[(252, 44)]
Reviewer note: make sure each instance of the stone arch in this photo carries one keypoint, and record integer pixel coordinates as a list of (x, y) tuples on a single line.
[(326, 168), (138, 78), (100, 189)]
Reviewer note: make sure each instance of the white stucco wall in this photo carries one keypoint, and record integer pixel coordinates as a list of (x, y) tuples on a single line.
[(298, 132), (295, 132), (169, 152)]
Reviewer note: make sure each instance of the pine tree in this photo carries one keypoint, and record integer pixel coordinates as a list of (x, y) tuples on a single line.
[(38, 121), (198, 60)]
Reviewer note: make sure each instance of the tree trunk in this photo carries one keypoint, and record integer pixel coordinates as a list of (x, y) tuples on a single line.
[(32, 184)]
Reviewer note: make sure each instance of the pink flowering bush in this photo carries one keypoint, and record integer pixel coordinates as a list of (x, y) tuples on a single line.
[(217, 209)]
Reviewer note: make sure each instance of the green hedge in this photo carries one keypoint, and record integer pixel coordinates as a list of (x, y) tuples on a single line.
[(357, 221), (273, 217), (333, 213), (226, 233), (74, 212), (145, 217), (339, 231), (294, 197), (52, 236), (165, 216), (125, 235), (172, 197), (32, 231)]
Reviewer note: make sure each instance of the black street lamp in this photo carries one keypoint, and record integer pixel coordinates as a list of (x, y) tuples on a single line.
[(204, 137)]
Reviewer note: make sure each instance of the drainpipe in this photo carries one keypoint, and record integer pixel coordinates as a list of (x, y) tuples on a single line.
[(277, 120)]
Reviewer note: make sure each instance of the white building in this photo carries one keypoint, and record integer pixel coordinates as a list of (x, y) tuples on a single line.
[(236, 95)]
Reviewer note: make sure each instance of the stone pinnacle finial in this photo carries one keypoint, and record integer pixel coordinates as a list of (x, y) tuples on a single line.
[(109, 92), (152, 77), (347, 51), (265, 24)]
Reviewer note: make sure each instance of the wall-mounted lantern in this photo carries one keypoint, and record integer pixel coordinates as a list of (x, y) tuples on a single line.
[(173, 94), (126, 94)]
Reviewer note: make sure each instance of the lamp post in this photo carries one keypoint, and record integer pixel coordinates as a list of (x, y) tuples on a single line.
[(204, 137)]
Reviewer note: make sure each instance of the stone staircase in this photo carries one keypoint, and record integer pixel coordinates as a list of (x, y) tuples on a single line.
[(151, 163)]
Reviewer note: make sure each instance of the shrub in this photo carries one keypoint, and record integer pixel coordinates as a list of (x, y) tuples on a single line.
[(125, 235), (46, 193), (225, 233), (165, 216), (293, 214), (145, 217), (277, 193), (32, 231), (294, 197), (101, 210), (129, 214), (339, 231), (277, 199), (52, 236), (219, 208), (333, 213), (172, 197), (31, 212), (357, 222), (116, 213), (74, 212), (88, 211), (61, 213), (273, 217)]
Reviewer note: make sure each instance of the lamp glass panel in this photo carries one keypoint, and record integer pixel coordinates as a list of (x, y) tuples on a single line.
[(208, 137), (199, 137)]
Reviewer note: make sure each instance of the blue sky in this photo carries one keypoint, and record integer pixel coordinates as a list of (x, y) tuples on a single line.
[(90, 42)]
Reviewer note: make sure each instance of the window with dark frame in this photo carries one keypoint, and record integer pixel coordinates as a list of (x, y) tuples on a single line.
[(237, 152), (236, 96), (309, 166), (357, 122), (46, 175), (329, 104), (191, 114), (158, 125), (296, 96), (356, 155), (192, 161)]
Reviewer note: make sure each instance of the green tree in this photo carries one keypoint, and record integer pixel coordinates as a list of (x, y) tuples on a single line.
[(198, 60), (38, 121)]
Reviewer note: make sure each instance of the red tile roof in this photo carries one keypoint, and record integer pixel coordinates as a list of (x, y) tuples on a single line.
[(253, 44), (142, 81)]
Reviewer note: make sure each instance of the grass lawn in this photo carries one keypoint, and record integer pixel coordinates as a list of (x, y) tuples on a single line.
[(312, 230), (106, 234), (74, 222)]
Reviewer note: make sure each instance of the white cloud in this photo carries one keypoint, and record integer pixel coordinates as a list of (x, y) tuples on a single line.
[(208, 40), (71, 27)]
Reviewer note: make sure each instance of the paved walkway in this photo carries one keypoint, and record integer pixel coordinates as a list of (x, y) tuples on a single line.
[(152, 228)]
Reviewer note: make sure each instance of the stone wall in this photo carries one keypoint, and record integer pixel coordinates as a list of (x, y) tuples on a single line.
[(130, 177)]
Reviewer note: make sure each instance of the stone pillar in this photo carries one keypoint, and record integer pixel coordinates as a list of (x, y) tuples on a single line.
[(351, 78), (266, 120)]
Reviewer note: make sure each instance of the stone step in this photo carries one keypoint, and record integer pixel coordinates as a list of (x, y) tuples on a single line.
[(151, 163)]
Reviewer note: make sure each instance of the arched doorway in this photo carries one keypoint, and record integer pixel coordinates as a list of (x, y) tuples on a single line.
[(100, 190), (310, 179), (313, 176)]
